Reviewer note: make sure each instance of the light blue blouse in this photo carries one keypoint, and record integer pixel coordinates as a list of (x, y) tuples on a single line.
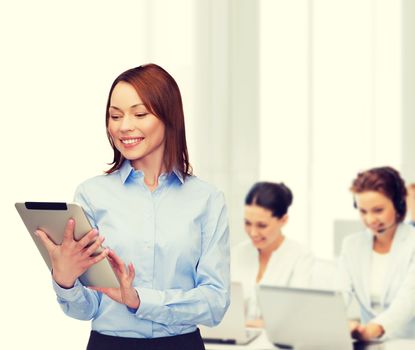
[(177, 237)]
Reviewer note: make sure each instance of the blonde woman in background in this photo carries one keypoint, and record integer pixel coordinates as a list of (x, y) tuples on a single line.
[(410, 201), (378, 264)]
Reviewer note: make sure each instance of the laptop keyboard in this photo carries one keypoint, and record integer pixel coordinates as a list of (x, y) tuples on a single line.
[(374, 345)]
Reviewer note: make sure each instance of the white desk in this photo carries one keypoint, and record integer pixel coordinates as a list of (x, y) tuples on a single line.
[(262, 343), (259, 343)]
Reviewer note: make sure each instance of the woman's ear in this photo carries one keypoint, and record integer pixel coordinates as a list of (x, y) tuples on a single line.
[(284, 219)]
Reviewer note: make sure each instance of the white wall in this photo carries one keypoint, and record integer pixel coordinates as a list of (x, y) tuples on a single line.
[(284, 104), (408, 88), (58, 61), (327, 104), (331, 104)]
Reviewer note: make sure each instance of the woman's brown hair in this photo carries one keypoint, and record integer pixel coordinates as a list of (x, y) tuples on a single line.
[(161, 96), (385, 180)]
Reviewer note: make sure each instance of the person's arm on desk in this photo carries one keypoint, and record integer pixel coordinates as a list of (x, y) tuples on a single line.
[(258, 323), (366, 332)]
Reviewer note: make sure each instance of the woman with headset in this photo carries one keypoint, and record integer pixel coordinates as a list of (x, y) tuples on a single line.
[(377, 266), (410, 202)]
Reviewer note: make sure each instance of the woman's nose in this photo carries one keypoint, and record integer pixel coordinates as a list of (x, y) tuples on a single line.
[(127, 124), (254, 232), (371, 219)]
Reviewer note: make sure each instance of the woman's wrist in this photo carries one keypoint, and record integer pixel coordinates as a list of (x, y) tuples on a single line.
[(134, 302), (375, 330), (61, 281)]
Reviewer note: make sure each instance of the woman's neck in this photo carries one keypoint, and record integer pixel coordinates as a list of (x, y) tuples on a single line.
[(382, 242), (273, 246), (265, 255), (151, 169)]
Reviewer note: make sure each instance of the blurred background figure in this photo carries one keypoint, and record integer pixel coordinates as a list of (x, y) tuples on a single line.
[(410, 202), (268, 256), (378, 264)]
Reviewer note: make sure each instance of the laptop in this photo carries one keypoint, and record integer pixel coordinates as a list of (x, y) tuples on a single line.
[(232, 329), (305, 319)]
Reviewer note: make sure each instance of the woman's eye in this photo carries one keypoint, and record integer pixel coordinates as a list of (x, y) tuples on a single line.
[(115, 117), (141, 115)]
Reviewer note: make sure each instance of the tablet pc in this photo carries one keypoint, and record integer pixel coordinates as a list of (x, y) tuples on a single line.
[(51, 217)]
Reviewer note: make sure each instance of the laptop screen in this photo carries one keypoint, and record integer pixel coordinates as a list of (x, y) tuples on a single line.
[(304, 318)]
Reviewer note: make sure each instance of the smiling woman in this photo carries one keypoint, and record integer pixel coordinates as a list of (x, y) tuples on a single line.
[(167, 229), (378, 265), (268, 257), (136, 133), (159, 103)]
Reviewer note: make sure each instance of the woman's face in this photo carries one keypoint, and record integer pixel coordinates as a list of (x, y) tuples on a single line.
[(136, 133), (376, 211), (263, 228)]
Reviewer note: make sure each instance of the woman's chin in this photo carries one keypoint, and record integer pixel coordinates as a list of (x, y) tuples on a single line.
[(259, 244)]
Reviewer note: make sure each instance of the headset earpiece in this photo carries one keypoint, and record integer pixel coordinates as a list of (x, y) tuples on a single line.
[(399, 200), (399, 192)]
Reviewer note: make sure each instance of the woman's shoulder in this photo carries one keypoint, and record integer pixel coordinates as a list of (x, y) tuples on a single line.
[(243, 252), (406, 232), (242, 247), (194, 187), (99, 181), (194, 182), (292, 247), (357, 238), (356, 244), (292, 244)]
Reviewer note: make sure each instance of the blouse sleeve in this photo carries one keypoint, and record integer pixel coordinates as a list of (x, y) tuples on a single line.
[(402, 309), (342, 279)]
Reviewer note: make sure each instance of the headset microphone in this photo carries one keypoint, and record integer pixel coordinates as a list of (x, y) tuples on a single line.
[(384, 229)]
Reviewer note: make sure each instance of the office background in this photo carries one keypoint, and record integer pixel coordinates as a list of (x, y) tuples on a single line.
[(307, 92)]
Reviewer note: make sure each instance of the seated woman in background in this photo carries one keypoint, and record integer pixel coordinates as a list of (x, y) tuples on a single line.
[(378, 265), (268, 257), (410, 202)]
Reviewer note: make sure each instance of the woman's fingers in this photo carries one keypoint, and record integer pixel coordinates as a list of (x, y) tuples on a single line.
[(97, 258), (111, 261), (68, 233), (353, 325), (117, 262), (126, 294), (124, 273), (86, 240), (131, 271), (116, 258), (49, 245), (94, 246)]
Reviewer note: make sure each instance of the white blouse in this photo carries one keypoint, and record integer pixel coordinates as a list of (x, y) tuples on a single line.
[(377, 279), (290, 265)]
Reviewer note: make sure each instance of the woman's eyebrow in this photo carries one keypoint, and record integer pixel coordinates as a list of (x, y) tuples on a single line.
[(133, 106)]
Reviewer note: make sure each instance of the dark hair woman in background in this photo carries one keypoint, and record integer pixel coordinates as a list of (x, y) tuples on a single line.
[(268, 256)]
